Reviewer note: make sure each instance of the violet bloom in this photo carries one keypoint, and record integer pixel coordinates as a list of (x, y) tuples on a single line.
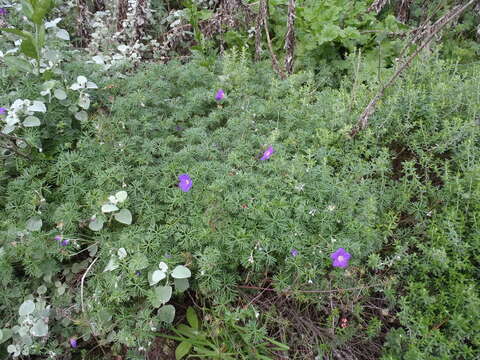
[(73, 342), (58, 238), (185, 182), (294, 252), (3, 11), (2, 110), (268, 153), (65, 242), (340, 258), (220, 95)]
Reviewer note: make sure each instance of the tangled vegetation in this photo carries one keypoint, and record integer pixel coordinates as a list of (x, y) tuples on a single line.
[(208, 208)]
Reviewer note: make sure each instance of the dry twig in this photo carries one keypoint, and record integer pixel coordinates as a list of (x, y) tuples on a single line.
[(290, 37)]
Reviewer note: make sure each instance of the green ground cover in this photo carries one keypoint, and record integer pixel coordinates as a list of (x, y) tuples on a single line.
[(402, 199)]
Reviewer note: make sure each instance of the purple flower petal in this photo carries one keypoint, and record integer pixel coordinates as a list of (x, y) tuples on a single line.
[(3, 11), (185, 183), (268, 153), (2, 110), (58, 238), (65, 242), (294, 252), (340, 258), (73, 342), (220, 95)]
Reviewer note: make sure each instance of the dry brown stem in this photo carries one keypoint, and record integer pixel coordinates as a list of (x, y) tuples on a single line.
[(290, 37)]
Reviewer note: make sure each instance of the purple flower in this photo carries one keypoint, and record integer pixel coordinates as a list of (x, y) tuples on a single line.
[(220, 95), (3, 11), (294, 252), (340, 258), (65, 242), (138, 273), (268, 153), (58, 238), (2, 109), (185, 182), (73, 342)]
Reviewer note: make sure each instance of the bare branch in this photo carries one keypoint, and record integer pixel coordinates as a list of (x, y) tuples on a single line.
[(290, 37), (122, 8), (377, 6)]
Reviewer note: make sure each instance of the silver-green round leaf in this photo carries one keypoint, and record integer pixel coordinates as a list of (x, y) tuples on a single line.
[(96, 224), (166, 313), (40, 328), (181, 284), (60, 94), (108, 208), (124, 216), (31, 121), (34, 223), (163, 293), (181, 272), (157, 275), (81, 115), (121, 196), (26, 308)]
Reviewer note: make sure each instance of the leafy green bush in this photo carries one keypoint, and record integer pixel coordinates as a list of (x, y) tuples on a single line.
[(402, 199)]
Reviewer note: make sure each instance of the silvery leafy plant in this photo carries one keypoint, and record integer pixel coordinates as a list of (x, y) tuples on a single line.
[(122, 215), (22, 114), (32, 325)]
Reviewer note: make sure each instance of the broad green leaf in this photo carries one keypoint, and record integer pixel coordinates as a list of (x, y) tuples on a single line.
[(166, 313), (39, 328), (27, 9), (28, 48), (21, 33), (41, 36), (164, 293), (6, 334), (182, 349), (121, 196), (192, 318), (181, 272), (41, 10), (18, 63), (34, 223), (157, 276), (108, 208), (26, 308), (96, 225), (124, 216), (81, 116), (181, 284), (31, 121), (60, 94)]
